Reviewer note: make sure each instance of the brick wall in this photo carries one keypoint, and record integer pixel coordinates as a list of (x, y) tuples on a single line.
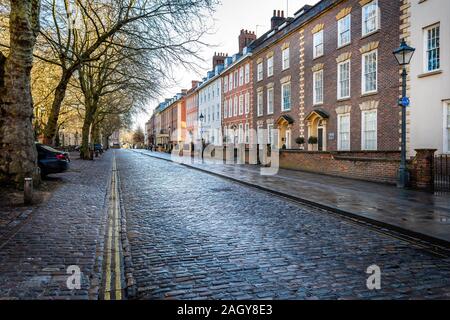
[(368, 166)]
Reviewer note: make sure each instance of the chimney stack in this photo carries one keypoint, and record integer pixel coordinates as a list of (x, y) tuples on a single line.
[(277, 19), (245, 38), (218, 59), (195, 84)]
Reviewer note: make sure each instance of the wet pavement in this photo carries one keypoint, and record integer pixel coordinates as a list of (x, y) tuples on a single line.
[(197, 236), (66, 230), (426, 214)]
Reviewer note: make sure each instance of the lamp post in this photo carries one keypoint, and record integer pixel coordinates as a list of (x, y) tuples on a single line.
[(403, 55), (202, 118)]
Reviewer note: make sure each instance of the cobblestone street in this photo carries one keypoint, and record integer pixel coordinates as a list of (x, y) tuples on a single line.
[(197, 236), (66, 230), (192, 235)]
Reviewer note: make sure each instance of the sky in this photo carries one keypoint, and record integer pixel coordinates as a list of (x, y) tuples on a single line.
[(229, 19)]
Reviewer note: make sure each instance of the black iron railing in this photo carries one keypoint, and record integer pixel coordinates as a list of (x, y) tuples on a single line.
[(442, 173)]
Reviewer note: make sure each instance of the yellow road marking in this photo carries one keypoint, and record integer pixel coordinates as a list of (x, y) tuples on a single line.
[(113, 235)]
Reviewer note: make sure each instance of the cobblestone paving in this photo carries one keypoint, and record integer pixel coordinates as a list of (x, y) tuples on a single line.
[(65, 231), (196, 236)]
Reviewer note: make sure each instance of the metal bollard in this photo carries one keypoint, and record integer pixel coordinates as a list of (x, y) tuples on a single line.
[(28, 191)]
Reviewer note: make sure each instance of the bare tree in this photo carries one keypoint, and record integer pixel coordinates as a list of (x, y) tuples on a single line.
[(18, 156), (118, 82), (76, 32)]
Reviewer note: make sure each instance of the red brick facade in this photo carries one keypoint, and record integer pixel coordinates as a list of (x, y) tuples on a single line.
[(241, 98), (308, 118)]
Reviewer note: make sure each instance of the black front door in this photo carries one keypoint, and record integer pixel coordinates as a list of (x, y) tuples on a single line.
[(320, 139)]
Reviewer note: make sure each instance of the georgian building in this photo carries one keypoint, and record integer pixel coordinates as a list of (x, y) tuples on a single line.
[(192, 115), (210, 100), (328, 75), (427, 28), (237, 103), (171, 122)]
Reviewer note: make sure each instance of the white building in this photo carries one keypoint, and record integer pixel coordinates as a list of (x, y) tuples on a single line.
[(430, 75), (210, 101)]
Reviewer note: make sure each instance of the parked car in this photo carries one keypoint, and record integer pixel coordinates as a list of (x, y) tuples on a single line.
[(51, 160)]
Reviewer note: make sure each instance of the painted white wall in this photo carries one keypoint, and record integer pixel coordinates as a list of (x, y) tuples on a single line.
[(429, 94), (210, 101)]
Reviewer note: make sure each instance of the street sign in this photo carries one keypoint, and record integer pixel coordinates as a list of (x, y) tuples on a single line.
[(404, 102)]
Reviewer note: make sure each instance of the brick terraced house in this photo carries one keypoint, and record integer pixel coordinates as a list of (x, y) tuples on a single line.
[(192, 113), (329, 74), (237, 102)]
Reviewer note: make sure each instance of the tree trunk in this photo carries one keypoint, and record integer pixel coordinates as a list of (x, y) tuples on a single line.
[(18, 156), (52, 122), (85, 153)]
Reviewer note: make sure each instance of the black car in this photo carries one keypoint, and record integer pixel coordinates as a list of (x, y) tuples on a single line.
[(51, 160)]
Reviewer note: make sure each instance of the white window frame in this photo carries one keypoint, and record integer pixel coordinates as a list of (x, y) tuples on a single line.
[(316, 101), (235, 107), (283, 107), (260, 134), (230, 108), (247, 73), (241, 76), (341, 31), (427, 49), (446, 147), (236, 79), (318, 45), (339, 80), (247, 133), (270, 66), (247, 103), (241, 133), (286, 58), (363, 130), (270, 100), (339, 133), (225, 84), (230, 82), (225, 109), (260, 69), (270, 134), (365, 31), (260, 103), (363, 72), (241, 104)]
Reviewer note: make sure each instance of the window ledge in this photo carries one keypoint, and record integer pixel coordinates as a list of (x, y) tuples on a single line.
[(344, 99), (368, 94), (318, 57), (370, 34), (317, 104), (429, 74), (343, 46)]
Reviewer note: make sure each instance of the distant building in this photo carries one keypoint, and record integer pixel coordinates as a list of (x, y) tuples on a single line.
[(192, 113)]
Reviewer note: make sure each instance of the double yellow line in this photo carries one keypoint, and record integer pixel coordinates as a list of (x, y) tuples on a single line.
[(113, 242)]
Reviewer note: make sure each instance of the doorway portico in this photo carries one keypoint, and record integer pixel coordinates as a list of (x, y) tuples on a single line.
[(317, 127)]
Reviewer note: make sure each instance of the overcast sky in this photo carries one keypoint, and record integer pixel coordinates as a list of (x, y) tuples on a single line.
[(230, 17)]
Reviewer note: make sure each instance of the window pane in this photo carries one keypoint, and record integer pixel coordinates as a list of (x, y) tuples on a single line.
[(286, 97), (433, 49), (370, 72), (370, 131), (270, 101)]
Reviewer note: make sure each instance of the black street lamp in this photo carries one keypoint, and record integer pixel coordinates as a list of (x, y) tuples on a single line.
[(404, 55), (202, 118)]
